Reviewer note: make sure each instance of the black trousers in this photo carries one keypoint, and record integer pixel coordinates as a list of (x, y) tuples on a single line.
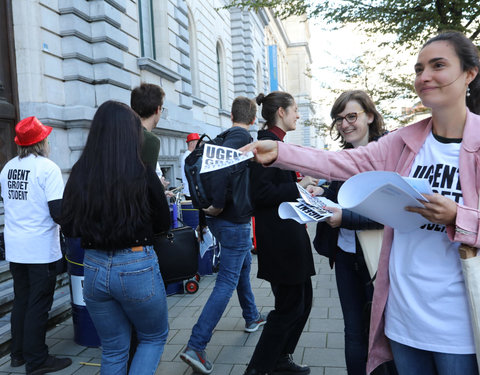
[(33, 286), (284, 325)]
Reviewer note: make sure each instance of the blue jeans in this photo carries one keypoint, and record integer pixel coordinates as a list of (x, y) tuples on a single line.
[(412, 361), (122, 288), (352, 277), (234, 272)]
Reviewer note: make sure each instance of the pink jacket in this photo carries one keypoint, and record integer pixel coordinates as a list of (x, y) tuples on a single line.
[(394, 152)]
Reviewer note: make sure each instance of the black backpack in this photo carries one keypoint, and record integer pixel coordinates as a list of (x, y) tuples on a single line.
[(200, 185)]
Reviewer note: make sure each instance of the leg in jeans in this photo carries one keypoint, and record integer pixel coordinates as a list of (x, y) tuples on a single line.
[(20, 302), (456, 364), (352, 276), (281, 330), (411, 361), (244, 288), (123, 288), (234, 253)]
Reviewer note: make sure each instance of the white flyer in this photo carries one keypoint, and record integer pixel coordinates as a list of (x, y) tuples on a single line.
[(382, 196), (218, 157)]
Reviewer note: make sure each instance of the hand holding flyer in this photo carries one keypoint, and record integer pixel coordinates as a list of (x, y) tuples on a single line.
[(218, 157), (307, 208)]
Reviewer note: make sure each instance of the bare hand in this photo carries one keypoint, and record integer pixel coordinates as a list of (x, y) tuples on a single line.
[(200, 230), (165, 182), (336, 219), (169, 194), (307, 180), (315, 190), (212, 211), (265, 152), (438, 209)]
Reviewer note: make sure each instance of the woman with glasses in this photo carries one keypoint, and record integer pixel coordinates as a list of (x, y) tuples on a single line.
[(420, 310), (356, 122)]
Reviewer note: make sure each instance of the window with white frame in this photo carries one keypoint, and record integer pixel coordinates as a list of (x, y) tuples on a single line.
[(220, 76), (147, 36), (192, 41)]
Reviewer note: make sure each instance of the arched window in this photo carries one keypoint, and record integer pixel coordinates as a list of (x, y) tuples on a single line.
[(259, 78), (147, 37), (192, 41), (220, 76)]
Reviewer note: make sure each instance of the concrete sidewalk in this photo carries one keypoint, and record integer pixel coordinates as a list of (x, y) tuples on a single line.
[(320, 347)]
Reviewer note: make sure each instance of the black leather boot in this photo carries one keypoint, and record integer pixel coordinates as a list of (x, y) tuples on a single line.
[(286, 366), (252, 371)]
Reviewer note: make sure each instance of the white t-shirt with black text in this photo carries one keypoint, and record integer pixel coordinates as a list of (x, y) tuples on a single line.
[(427, 306), (28, 184)]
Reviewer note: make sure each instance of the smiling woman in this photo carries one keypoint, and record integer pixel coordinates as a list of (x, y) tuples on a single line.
[(420, 307)]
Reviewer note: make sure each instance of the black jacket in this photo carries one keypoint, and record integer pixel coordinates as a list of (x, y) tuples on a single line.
[(326, 237), (284, 251), (222, 179)]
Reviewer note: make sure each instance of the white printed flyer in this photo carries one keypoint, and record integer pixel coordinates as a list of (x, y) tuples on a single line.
[(382, 196), (218, 157), (307, 208)]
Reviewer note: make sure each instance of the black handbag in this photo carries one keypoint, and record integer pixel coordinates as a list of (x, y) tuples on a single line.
[(177, 253)]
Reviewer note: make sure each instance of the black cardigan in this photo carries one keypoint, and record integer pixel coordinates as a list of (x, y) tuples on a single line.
[(326, 237), (284, 250)]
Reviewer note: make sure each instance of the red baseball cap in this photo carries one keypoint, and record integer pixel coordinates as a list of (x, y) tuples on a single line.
[(192, 137), (30, 131)]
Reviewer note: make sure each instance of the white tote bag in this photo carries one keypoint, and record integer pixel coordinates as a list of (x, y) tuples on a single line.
[(371, 242)]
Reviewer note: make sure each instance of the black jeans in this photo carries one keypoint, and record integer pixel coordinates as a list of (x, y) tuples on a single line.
[(355, 292), (284, 325), (33, 285)]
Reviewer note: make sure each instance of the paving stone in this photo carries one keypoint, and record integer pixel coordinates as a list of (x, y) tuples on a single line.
[(325, 325), (335, 313), (335, 340), (324, 357)]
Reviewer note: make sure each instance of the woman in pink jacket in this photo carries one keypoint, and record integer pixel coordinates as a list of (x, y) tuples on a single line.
[(420, 309)]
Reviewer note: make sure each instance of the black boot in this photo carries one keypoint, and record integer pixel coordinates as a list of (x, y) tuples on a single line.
[(286, 366), (252, 371)]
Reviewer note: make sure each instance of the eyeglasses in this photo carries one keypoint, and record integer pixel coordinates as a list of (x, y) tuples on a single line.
[(162, 110), (350, 117)]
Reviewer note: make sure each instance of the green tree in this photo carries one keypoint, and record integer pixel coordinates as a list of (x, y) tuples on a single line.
[(410, 20)]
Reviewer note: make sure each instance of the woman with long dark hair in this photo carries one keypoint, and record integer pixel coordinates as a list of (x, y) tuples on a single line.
[(115, 205), (283, 248), (420, 310)]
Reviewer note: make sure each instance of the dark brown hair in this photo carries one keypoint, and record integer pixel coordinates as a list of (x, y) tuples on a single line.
[(271, 103), (244, 110), (146, 98), (375, 129)]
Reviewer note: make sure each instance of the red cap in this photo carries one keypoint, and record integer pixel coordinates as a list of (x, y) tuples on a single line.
[(30, 131), (192, 137)]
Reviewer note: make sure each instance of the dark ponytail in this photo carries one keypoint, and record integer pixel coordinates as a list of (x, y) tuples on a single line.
[(271, 103)]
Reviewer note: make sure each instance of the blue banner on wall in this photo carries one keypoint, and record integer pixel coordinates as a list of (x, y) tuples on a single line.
[(272, 58)]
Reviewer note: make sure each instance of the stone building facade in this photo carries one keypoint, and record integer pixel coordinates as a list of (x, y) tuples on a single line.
[(61, 59)]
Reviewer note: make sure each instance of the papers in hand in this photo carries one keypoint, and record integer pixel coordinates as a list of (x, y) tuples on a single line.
[(218, 157), (382, 196), (306, 209)]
